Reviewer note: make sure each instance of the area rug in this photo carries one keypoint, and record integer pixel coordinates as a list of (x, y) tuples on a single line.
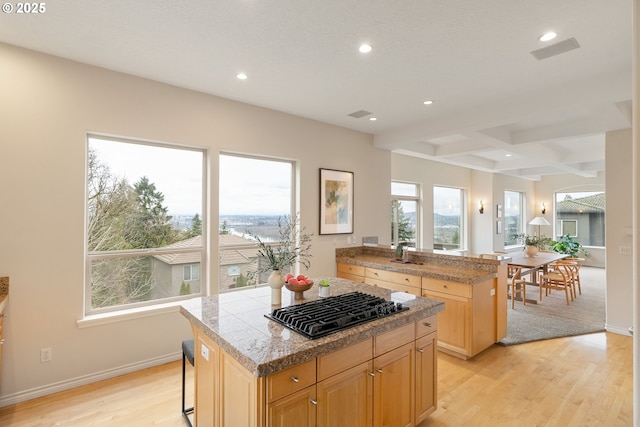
[(552, 318)]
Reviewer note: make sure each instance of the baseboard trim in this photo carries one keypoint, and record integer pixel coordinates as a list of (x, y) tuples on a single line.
[(36, 392), (617, 330)]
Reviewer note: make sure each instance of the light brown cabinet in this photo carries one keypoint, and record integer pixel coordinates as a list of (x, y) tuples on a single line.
[(393, 280), (370, 383), (467, 325), (351, 272)]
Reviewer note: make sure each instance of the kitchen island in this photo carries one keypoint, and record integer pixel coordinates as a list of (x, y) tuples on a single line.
[(252, 371), (473, 288)]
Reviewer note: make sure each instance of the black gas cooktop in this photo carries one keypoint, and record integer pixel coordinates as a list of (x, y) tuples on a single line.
[(318, 318)]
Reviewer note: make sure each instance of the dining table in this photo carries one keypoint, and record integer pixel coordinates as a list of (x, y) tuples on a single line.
[(531, 265)]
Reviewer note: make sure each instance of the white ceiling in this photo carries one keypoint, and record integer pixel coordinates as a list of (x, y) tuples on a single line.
[(492, 97)]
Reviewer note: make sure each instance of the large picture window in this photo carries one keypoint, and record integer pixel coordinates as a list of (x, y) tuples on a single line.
[(254, 193), (144, 237), (513, 216), (448, 218), (582, 216), (405, 209)]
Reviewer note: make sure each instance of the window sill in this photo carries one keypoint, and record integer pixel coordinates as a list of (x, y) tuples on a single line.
[(124, 315)]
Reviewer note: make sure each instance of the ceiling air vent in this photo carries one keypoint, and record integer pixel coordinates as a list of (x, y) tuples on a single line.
[(556, 49), (359, 114)]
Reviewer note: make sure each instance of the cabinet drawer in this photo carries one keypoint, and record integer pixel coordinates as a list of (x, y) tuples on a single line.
[(395, 338), (343, 359), (394, 277), (356, 270), (426, 326), (392, 286), (446, 287), (290, 380)]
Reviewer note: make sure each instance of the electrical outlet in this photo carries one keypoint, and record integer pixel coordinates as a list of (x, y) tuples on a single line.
[(204, 351), (45, 355)]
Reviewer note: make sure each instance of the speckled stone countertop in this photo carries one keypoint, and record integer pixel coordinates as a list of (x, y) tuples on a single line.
[(454, 268), (236, 322), (4, 292)]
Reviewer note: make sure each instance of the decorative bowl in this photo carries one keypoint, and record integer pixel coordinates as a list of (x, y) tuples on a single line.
[(298, 289)]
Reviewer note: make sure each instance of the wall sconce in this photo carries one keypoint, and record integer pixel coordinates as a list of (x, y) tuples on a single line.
[(544, 208), (481, 210)]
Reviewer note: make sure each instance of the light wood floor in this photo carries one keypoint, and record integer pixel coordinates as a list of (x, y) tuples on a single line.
[(578, 381)]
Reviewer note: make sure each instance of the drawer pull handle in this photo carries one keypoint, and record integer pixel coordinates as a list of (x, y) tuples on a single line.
[(375, 273), (427, 324), (295, 379), (371, 374), (406, 279), (378, 370), (2, 341), (4, 314), (445, 286), (420, 350), (313, 401)]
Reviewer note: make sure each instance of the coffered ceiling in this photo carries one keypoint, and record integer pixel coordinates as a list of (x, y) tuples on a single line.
[(496, 106)]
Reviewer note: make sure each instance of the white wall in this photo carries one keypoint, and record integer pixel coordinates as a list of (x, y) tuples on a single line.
[(47, 107), (619, 221)]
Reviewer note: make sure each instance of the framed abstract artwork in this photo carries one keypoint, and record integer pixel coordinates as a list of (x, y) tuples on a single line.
[(336, 202)]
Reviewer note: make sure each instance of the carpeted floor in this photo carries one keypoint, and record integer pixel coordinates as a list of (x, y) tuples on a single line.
[(552, 318)]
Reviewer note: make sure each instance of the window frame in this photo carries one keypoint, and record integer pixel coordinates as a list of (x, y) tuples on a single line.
[(91, 256), (522, 216), (293, 202), (417, 198), (462, 235)]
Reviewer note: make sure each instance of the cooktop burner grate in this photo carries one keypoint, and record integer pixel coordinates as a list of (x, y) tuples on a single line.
[(318, 318)]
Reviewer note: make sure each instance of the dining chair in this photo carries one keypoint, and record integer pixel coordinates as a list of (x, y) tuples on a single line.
[(575, 265), (517, 285), (558, 277)]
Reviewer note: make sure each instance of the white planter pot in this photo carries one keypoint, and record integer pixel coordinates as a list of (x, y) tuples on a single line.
[(276, 282), (323, 291), (531, 251)]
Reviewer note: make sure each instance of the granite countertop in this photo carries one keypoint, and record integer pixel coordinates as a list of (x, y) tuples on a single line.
[(451, 271), (236, 322), (4, 292)]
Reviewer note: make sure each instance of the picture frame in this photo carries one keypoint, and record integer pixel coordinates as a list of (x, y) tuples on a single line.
[(336, 201)]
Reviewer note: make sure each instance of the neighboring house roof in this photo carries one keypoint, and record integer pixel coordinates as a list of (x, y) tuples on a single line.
[(229, 256), (588, 204), (182, 258), (232, 256)]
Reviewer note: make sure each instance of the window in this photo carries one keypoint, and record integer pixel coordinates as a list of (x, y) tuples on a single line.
[(448, 220), (144, 223), (254, 193), (191, 272), (513, 216), (405, 208), (582, 216)]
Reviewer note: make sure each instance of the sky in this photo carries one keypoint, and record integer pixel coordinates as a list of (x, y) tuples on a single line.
[(248, 186), (251, 186), (176, 173)]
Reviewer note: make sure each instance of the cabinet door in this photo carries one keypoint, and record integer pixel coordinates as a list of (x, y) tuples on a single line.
[(393, 388), (206, 359), (345, 399), (295, 410), (426, 380), (454, 322)]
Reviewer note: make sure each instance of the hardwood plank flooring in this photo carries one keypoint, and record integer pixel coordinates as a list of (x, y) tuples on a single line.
[(575, 381)]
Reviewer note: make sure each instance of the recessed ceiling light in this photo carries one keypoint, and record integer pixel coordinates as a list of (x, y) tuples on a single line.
[(508, 155), (373, 119), (547, 36), (365, 48), (242, 76), (428, 102)]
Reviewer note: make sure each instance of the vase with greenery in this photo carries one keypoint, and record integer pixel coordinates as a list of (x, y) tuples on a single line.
[(532, 244), (293, 245), (566, 245)]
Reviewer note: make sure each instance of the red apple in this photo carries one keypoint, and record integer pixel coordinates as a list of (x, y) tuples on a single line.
[(288, 276), (301, 277), (293, 281), (308, 281)]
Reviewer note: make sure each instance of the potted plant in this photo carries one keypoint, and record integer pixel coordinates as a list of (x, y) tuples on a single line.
[(323, 288), (566, 245), (293, 245), (532, 244)]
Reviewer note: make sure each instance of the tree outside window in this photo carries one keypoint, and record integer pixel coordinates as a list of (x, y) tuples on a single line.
[(405, 208)]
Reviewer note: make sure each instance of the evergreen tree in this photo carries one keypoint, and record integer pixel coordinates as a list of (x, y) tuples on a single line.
[(224, 228), (405, 232), (196, 227)]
